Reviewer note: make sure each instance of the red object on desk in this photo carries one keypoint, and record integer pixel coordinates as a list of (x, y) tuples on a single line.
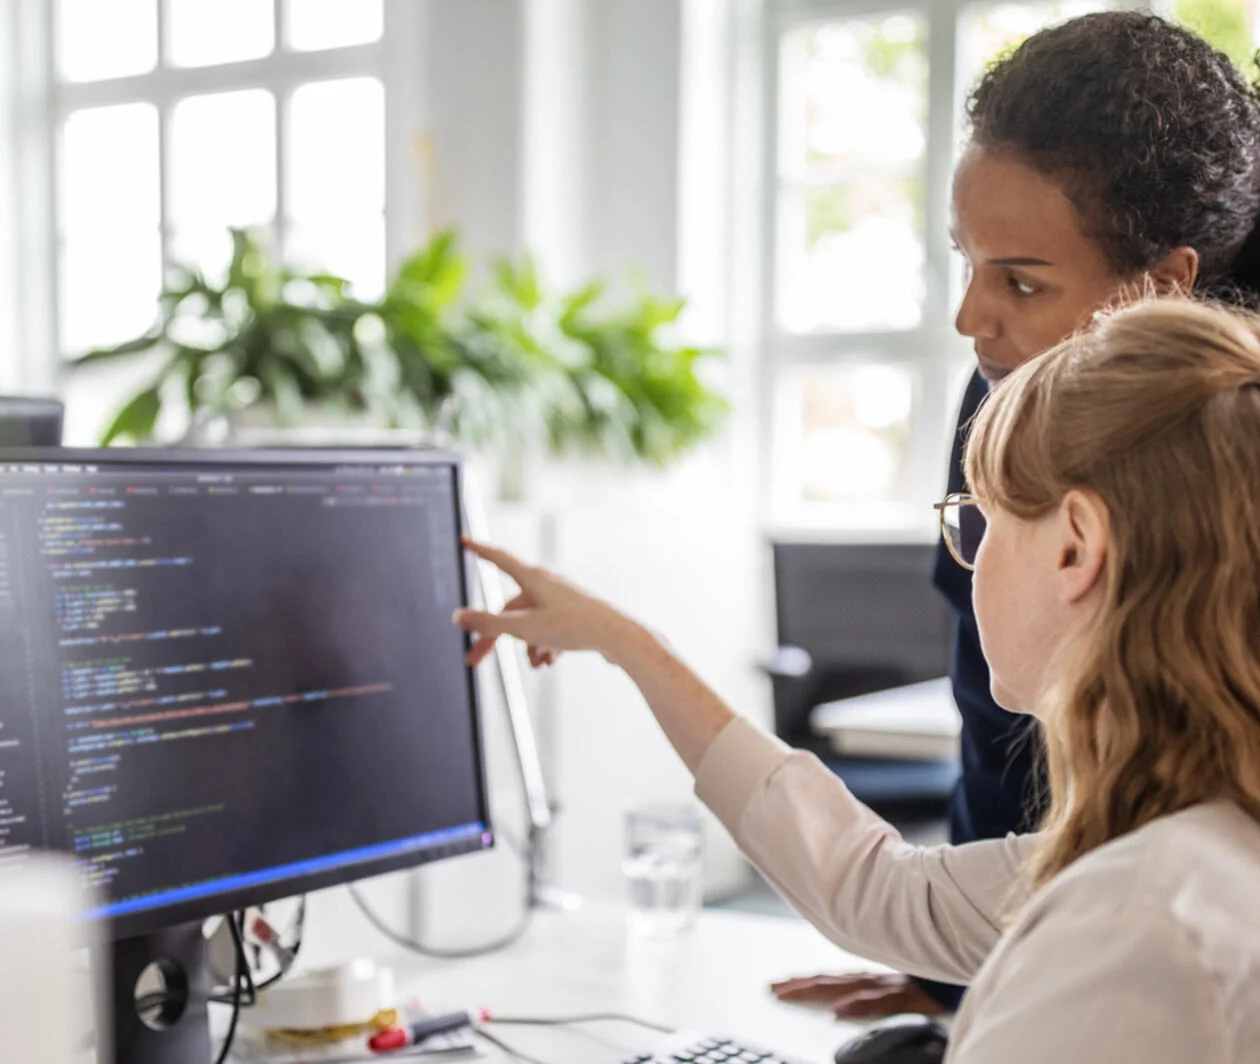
[(401, 1037)]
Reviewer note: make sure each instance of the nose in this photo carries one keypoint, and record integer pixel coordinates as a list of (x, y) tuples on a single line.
[(974, 319)]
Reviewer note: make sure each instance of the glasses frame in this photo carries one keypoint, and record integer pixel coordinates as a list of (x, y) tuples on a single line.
[(960, 499)]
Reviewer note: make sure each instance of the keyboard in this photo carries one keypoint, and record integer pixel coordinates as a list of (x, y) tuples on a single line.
[(689, 1047)]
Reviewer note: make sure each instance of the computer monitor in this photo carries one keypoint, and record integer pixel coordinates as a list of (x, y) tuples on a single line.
[(227, 678), (30, 421)]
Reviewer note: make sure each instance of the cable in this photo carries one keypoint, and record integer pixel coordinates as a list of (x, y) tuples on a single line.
[(515, 1054), (564, 1021), (159, 998), (242, 972), (236, 922), (298, 927), (433, 951)]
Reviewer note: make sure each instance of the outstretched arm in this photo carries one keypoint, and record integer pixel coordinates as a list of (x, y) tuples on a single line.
[(551, 614), (935, 912)]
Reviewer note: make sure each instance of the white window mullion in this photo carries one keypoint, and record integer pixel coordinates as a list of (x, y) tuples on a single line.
[(164, 34), (941, 124), (164, 184), (286, 69), (819, 347), (774, 26), (37, 302), (283, 95), (409, 176), (164, 139), (930, 442), (282, 219), (280, 12)]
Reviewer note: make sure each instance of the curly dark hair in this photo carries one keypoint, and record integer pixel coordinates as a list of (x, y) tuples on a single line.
[(1152, 133)]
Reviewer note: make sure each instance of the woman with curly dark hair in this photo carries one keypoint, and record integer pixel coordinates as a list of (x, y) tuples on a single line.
[(1114, 153)]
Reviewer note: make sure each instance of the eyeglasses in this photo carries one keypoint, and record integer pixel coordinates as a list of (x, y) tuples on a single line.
[(962, 527)]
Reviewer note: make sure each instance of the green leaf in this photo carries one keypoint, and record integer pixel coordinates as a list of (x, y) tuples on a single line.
[(136, 420), (284, 389), (125, 350), (580, 300), (520, 282)]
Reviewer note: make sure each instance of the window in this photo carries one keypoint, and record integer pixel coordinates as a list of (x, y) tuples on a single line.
[(864, 368), (852, 147), (176, 119), (1233, 26)]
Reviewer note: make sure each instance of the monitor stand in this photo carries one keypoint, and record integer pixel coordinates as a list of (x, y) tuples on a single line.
[(179, 1031)]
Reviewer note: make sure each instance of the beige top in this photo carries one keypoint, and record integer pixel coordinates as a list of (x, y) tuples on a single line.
[(1145, 950)]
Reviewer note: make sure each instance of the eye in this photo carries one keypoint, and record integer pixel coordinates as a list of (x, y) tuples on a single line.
[(1022, 288)]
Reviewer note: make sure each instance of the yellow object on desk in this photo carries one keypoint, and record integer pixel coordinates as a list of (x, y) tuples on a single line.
[(321, 1036)]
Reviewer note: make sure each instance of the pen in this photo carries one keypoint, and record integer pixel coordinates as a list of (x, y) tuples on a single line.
[(413, 1033)]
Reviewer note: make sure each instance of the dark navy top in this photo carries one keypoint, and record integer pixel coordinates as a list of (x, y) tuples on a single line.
[(997, 792)]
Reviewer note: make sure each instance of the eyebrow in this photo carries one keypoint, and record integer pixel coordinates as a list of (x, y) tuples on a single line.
[(1019, 262)]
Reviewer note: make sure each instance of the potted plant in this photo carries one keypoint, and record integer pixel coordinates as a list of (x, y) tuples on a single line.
[(502, 366)]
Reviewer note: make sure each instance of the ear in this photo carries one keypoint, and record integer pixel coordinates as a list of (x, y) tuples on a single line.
[(1085, 529), (1175, 272)]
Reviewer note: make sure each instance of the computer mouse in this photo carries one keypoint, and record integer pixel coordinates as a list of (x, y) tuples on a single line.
[(897, 1040)]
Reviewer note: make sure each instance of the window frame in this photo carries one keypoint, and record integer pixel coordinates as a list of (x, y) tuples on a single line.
[(44, 102), (940, 359)]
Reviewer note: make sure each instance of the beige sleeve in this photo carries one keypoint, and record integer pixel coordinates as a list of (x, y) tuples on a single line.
[(929, 911), (1098, 988)]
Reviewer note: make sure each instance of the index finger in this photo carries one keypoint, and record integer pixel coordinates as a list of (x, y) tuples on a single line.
[(509, 563)]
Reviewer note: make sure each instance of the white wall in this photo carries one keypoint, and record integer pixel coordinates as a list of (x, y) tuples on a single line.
[(471, 113), (8, 203), (678, 553), (603, 180), (26, 260)]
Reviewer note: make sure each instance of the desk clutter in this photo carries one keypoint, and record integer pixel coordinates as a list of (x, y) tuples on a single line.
[(692, 1048), (345, 1013)]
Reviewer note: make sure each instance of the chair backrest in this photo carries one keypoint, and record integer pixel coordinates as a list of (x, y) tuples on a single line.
[(868, 616), (30, 421)]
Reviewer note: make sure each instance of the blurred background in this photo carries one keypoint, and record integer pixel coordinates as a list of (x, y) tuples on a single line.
[(675, 274)]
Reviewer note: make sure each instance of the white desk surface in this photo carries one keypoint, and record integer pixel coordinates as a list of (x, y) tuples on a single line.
[(714, 978), (918, 721)]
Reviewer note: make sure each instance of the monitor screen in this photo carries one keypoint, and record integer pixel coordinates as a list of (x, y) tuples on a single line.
[(227, 678)]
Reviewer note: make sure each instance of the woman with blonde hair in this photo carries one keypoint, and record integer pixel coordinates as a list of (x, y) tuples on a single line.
[(1117, 590)]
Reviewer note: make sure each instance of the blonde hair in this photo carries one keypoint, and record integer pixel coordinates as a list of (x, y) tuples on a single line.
[(1156, 707)]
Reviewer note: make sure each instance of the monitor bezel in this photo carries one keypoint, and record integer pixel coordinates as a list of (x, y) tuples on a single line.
[(148, 920)]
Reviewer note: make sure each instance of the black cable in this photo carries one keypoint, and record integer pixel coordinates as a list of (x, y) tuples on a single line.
[(586, 1017), (298, 923), (436, 952), (236, 923), (159, 998), (515, 1054), (237, 920), (242, 972)]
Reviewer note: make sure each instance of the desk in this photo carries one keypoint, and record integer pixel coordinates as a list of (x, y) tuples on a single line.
[(713, 978), (918, 722)]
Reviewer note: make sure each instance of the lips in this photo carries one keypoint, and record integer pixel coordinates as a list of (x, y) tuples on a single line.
[(992, 371)]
